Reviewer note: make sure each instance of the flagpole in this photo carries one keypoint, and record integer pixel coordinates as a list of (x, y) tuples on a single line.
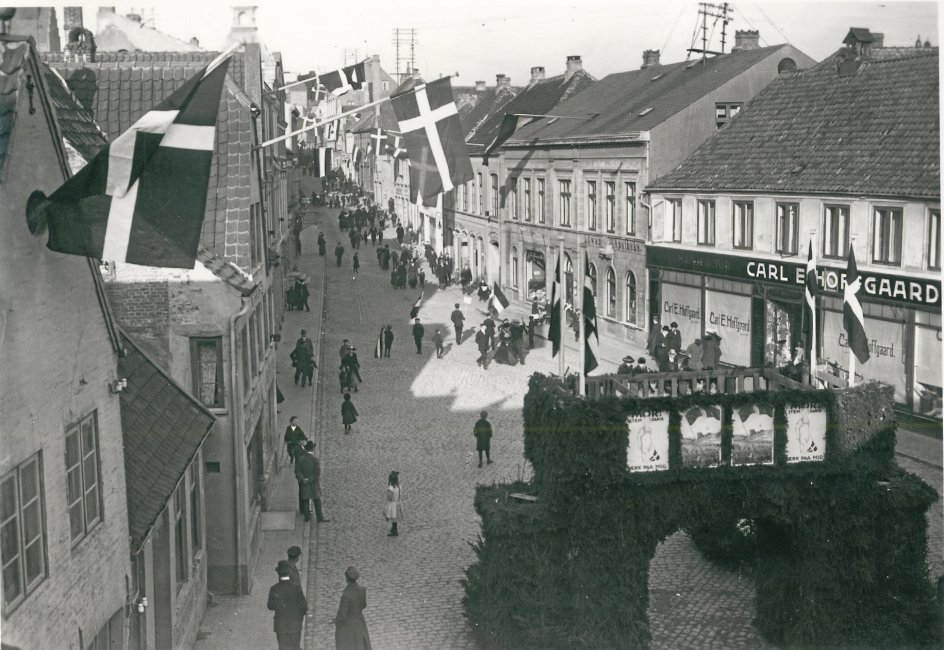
[(852, 357), (315, 125), (581, 343), (813, 380), (562, 311), (225, 54), (559, 117), (316, 77)]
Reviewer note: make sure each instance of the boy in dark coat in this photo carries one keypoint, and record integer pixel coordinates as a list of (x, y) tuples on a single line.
[(387, 340), (418, 332)]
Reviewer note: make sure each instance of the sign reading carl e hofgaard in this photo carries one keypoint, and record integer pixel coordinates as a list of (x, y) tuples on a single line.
[(806, 433), (648, 448)]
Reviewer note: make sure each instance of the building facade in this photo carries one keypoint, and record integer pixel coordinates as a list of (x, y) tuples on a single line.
[(733, 225)]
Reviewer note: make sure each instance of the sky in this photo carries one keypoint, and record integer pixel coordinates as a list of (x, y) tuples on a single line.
[(482, 38)]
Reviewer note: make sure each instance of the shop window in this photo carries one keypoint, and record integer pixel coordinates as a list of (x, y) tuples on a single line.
[(835, 231), (629, 207), (788, 225), (610, 188), (591, 205), (514, 266), (610, 292), (631, 297), (82, 477), (206, 365), (886, 236), (513, 198), (743, 227), (706, 223), (22, 531), (725, 112), (592, 278), (934, 240), (542, 216), (528, 207), (673, 220), (564, 203)]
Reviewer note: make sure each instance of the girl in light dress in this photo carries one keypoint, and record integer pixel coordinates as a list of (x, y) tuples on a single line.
[(392, 511)]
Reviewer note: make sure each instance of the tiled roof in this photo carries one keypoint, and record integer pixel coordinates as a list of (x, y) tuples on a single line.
[(536, 99), (638, 100), (14, 53), (487, 103), (120, 87), (76, 123), (875, 132), (163, 427)]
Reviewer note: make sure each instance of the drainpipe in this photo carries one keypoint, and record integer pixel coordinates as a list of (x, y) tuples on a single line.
[(237, 437)]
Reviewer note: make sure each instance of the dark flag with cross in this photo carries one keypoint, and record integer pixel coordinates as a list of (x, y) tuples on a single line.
[(378, 141)]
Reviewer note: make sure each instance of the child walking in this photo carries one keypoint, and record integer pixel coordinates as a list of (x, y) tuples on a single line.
[(393, 510), (348, 413)]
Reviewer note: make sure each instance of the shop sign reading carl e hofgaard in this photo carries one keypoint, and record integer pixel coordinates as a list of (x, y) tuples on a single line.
[(648, 446)]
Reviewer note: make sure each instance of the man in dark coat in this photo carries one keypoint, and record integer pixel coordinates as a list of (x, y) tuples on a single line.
[(387, 340), (674, 338), (308, 475), (490, 331), (465, 276), (482, 342), (294, 439), (400, 232), (294, 552), (438, 342), (457, 320), (655, 336), (531, 331), (339, 253), (301, 290), (350, 631), (516, 330), (483, 437), (322, 245), (288, 602), (418, 332)]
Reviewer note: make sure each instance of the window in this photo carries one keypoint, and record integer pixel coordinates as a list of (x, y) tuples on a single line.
[(788, 225), (934, 239), (244, 339), (630, 297), (673, 219), (592, 277), (836, 230), (886, 236), (610, 188), (481, 194), (22, 531), (706, 223), (528, 208), (180, 532), (195, 539), (513, 198), (82, 479), (494, 195), (610, 292), (591, 205), (630, 208), (743, 227), (206, 366), (541, 201), (253, 358), (514, 266), (725, 112), (564, 207), (253, 259)]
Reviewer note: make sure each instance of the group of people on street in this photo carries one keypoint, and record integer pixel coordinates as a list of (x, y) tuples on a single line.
[(303, 360)]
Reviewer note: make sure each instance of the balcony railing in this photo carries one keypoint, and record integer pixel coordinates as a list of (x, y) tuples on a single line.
[(675, 384)]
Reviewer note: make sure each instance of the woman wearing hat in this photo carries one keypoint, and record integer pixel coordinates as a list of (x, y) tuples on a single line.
[(350, 631), (393, 511)]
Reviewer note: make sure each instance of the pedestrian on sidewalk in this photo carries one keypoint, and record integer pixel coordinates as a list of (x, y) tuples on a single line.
[(294, 552), (294, 439), (339, 252), (322, 244), (482, 341), (355, 264), (308, 475), (388, 340), (531, 331), (348, 413), (393, 510), (418, 332), (422, 276), (303, 360), (457, 320), (350, 626), (288, 602), (483, 437), (438, 342)]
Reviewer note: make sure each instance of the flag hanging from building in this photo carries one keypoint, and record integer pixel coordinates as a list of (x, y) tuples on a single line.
[(321, 164), (429, 122), (591, 340), (509, 125), (416, 307), (809, 295), (340, 81), (395, 147), (554, 326), (852, 318), (331, 131), (499, 301), (377, 142), (142, 199)]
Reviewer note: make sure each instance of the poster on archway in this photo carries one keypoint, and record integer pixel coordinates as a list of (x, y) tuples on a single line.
[(752, 435), (701, 436), (648, 446), (806, 433)]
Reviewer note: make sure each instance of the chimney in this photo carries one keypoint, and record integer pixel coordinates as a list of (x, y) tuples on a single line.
[(40, 23), (650, 58), (860, 41), (195, 41), (479, 86), (502, 81), (71, 18), (537, 74), (416, 74), (746, 39), (134, 18), (244, 25), (574, 63)]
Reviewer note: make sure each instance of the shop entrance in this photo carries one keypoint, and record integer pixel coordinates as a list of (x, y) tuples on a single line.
[(783, 330)]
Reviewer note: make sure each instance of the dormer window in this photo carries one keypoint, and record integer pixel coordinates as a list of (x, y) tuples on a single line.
[(725, 112)]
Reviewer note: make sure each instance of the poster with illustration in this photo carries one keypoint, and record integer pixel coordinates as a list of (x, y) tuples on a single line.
[(752, 435), (701, 436), (806, 434), (648, 447)]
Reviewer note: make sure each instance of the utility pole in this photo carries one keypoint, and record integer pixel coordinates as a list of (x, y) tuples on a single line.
[(407, 39), (720, 12)]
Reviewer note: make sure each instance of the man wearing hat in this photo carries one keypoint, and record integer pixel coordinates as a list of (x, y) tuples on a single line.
[(674, 338), (641, 367), (294, 552), (457, 320), (483, 437), (516, 330), (418, 332), (308, 475), (288, 602), (626, 368)]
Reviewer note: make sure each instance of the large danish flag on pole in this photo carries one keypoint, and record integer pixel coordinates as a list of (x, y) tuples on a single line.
[(429, 122)]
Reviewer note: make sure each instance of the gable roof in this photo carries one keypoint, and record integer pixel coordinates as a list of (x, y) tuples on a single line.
[(163, 428), (875, 132), (638, 100), (489, 101), (536, 99)]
